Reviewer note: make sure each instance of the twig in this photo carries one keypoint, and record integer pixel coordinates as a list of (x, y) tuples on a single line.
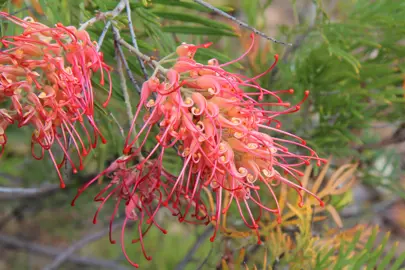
[(133, 37), (14, 242), (144, 57), (118, 124), (205, 259), (396, 138), (117, 37), (63, 256), (189, 256), (20, 10), (124, 89), (242, 24), (8, 193), (110, 14), (102, 35)]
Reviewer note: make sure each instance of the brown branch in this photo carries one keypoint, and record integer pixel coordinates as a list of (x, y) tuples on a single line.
[(10, 241)]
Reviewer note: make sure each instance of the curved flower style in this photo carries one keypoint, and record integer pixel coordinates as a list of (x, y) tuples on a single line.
[(45, 82), (224, 128), (226, 134), (139, 187), (143, 189)]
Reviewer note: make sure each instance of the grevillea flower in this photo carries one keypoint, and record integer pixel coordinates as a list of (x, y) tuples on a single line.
[(142, 187), (225, 128), (45, 82)]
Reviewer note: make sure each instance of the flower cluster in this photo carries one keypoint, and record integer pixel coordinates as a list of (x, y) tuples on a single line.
[(45, 83), (142, 186), (224, 128), (226, 134)]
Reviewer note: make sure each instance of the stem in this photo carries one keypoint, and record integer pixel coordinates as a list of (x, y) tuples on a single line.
[(117, 36), (199, 241), (144, 57), (242, 24), (112, 14), (133, 37), (124, 88), (102, 36), (118, 124)]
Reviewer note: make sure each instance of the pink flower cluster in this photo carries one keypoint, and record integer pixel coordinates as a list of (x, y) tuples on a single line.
[(224, 129), (45, 83), (142, 187)]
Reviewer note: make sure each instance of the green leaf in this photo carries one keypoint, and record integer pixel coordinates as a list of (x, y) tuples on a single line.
[(398, 262), (334, 50), (250, 7), (387, 80), (387, 259)]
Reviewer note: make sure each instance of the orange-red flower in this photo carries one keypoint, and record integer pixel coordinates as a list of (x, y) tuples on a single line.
[(227, 135), (45, 76), (141, 189), (224, 128)]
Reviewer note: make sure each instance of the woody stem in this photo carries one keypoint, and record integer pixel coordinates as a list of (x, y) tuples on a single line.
[(101, 16), (142, 56)]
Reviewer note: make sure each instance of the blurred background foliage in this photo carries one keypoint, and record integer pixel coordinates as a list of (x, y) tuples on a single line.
[(350, 55)]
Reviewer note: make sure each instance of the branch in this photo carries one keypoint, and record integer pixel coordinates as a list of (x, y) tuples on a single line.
[(63, 256), (144, 57), (8, 193), (124, 89), (117, 37), (20, 10), (11, 241), (189, 256), (101, 16), (118, 124), (102, 35), (242, 24), (204, 262), (397, 137), (133, 37)]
